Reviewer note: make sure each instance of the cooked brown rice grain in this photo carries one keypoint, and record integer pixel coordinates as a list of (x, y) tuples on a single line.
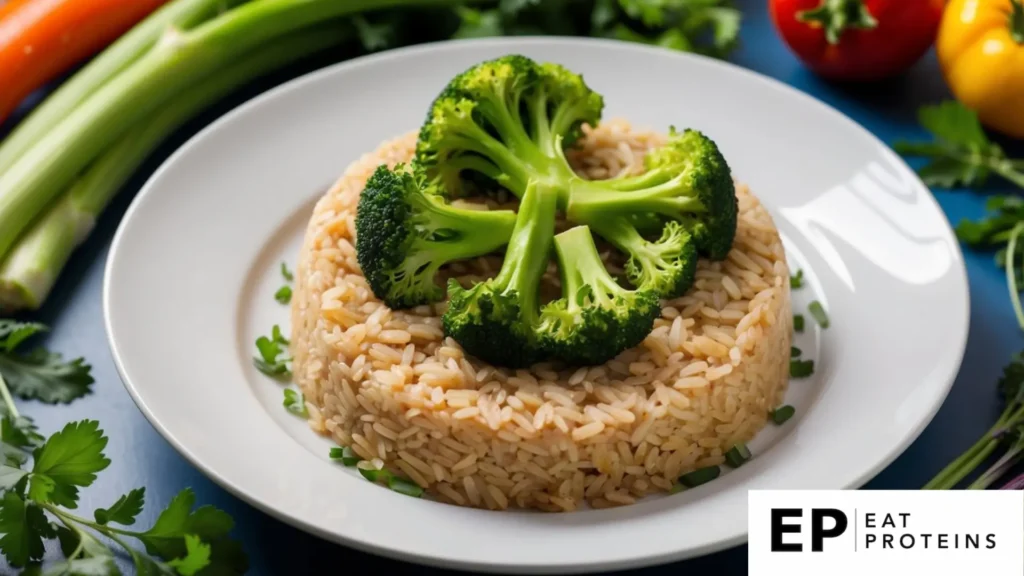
[(389, 384)]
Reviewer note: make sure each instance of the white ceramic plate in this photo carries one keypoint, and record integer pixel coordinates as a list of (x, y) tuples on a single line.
[(194, 265)]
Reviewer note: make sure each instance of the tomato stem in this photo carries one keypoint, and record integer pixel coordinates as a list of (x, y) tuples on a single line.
[(1017, 21), (835, 16)]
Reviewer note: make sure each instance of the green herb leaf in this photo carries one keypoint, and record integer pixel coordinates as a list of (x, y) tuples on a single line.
[(286, 272), (818, 313), (295, 403), (95, 566), (478, 23), (91, 547), (24, 526), (795, 352), (146, 566), (166, 538), (197, 557), (797, 280), (961, 155), (699, 476), (69, 459), (13, 333), (801, 368), (124, 510), (272, 360), (283, 294), (781, 414), (798, 323), (43, 375)]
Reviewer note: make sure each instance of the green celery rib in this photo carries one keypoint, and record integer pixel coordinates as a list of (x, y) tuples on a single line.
[(182, 14), (30, 271), (178, 61)]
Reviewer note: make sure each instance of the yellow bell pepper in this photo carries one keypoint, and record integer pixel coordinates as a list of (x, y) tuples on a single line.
[(980, 48)]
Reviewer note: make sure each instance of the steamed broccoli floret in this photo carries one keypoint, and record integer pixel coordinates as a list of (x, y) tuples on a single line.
[(508, 120), (596, 319), (687, 180), (496, 320), (666, 265), (406, 232)]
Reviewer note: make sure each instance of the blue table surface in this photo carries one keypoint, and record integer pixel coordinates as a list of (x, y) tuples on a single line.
[(141, 457)]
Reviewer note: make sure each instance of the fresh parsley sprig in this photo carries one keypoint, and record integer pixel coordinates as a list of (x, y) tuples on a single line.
[(273, 358), (36, 501), (961, 154)]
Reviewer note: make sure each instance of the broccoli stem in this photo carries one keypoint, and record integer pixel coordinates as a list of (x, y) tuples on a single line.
[(584, 276), (181, 14), (591, 200), (529, 248), (32, 267), (176, 62), (465, 232)]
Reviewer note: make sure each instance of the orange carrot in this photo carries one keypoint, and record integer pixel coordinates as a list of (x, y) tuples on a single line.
[(41, 39)]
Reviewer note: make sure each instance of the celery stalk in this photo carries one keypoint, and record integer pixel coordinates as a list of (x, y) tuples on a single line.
[(119, 55), (31, 269), (179, 60)]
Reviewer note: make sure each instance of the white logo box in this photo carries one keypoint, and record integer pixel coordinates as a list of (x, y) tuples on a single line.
[(930, 533)]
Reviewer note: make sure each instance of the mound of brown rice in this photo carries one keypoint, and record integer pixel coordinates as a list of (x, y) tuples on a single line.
[(391, 386)]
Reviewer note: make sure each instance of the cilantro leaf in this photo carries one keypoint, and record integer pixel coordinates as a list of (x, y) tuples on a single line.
[(69, 459), (197, 557), (71, 541), (24, 526), (295, 403), (124, 510), (166, 537), (286, 272), (17, 435), (43, 375), (478, 23), (146, 566), (13, 333), (283, 294), (961, 153)]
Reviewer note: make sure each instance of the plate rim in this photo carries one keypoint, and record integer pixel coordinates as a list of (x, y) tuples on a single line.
[(958, 266)]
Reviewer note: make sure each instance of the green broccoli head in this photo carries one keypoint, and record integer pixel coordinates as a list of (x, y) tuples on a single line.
[(707, 174), (506, 119), (405, 232), (596, 319), (687, 180), (667, 265), (495, 320)]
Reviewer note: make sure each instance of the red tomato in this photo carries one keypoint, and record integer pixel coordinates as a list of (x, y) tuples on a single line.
[(858, 39)]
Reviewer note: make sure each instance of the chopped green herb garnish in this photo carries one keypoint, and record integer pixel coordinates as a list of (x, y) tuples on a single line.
[(797, 280), (286, 273), (737, 455), (798, 322), (345, 454), (272, 360), (283, 294), (782, 413), (295, 403), (795, 352), (374, 475), (699, 476), (801, 368), (403, 486), (818, 313), (676, 488)]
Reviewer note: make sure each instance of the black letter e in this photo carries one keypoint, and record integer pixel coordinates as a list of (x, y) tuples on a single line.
[(779, 528)]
